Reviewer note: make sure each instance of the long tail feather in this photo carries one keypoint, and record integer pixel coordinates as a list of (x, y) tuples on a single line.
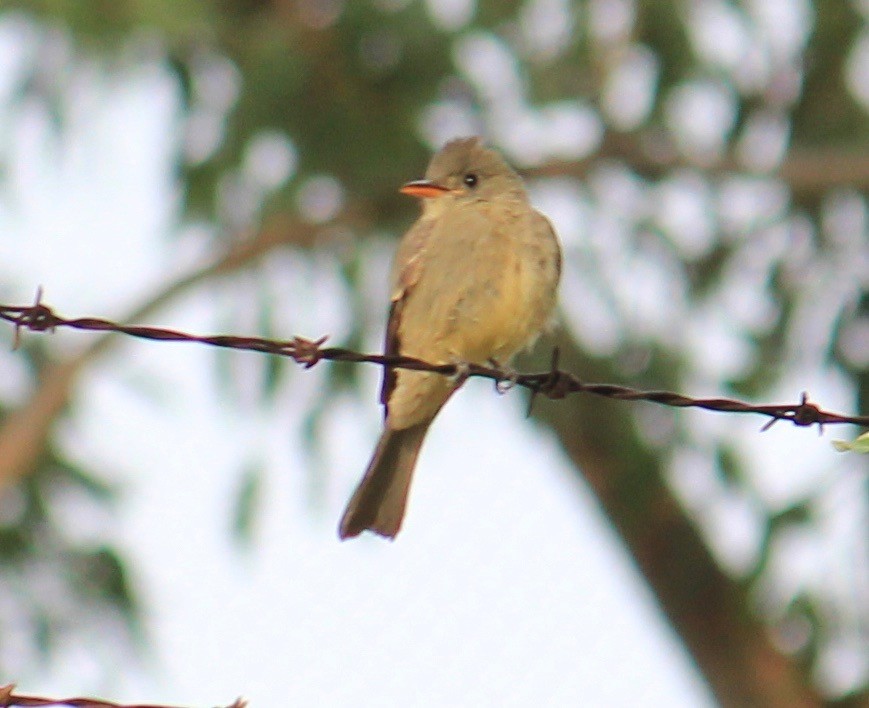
[(379, 501)]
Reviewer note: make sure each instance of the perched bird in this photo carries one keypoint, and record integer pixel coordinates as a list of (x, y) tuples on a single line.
[(474, 280)]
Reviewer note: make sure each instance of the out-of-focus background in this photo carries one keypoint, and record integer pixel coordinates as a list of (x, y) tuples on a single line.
[(168, 511)]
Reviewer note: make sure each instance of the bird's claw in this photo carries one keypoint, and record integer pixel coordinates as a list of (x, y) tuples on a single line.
[(510, 376)]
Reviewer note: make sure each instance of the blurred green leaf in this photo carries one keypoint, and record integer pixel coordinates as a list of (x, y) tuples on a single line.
[(799, 513), (248, 500), (860, 444), (729, 464)]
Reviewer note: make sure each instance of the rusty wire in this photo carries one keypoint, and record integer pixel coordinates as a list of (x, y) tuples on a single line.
[(9, 699), (554, 384)]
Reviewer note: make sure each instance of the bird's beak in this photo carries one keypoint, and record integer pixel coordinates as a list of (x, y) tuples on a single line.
[(424, 188)]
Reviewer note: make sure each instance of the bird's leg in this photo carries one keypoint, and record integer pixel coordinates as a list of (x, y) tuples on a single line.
[(463, 371)]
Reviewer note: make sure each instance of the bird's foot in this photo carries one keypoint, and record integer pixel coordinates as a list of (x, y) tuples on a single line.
[(463, 371), (510, 376)]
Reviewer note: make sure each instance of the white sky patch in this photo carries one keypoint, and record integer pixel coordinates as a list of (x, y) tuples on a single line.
[(734, 528), (216, 85), (719, 32), (843, 664), (529, 135), (15, 384), (547, 27), (620, 194), (832, 281), (320, 198), (490, 66), (591, 318), (785, 24), (572, 130), (764, 140), (714, 345), (683, 207), (566, 205), (447, 118), (792, 566), (519, 131), (216, 81), (786, 467), (609, 245), (745, 204), (745, 295), (67, 220), (270, 159), (755, 72), (611, 21), (700, 115), (845, 221), (692, 476), (204, 131), (316, 289), (652, 292), (451, 15), (17, 45), (629, 90)]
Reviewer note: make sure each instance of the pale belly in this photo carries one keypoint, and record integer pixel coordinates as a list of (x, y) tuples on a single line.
[(511, 310)]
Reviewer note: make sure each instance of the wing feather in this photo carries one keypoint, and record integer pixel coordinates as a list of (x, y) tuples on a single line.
[(406, 271)]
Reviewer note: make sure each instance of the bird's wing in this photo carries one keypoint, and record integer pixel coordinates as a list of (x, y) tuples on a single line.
[(544, 233), (406, 270)]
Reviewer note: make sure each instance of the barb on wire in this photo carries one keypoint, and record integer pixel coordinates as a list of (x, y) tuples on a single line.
[(554, 383), (9, 699)]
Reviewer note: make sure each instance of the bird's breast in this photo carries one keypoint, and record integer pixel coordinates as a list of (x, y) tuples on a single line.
[(510, 301)]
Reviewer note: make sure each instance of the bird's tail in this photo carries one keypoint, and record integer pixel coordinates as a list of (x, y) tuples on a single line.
[(379, 501)]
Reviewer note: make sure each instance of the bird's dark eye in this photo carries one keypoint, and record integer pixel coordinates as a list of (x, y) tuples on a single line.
[(470, 179)]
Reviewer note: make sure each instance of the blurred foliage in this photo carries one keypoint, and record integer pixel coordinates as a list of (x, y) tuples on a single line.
[(55, 578), (248, 501), (860, 444), (828, 112), (347, 87)]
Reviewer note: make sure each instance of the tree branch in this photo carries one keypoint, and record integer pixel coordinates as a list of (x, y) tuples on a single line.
[(24, 431), (808, 171), (709, 611)]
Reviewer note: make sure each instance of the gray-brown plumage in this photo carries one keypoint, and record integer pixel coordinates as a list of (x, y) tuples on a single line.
[(474, 280)]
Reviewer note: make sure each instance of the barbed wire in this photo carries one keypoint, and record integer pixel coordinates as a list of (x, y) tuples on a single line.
[(554, 383), (9, 699)]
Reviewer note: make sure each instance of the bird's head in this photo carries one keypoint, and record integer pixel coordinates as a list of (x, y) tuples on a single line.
[(464, 170)]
